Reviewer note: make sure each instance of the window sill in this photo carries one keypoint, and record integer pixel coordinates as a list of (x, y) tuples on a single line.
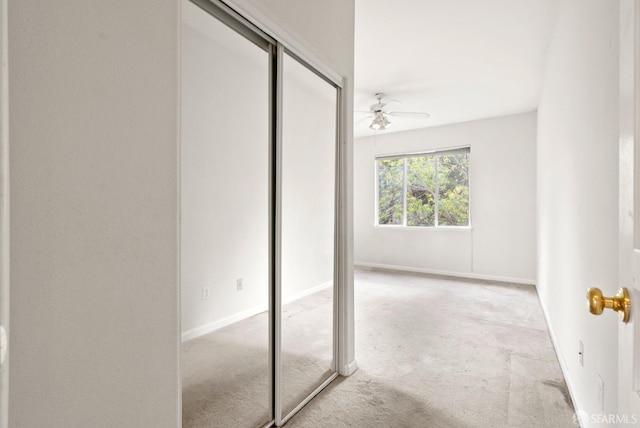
[(431, 228)]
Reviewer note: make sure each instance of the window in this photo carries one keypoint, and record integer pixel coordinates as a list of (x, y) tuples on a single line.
[(426, 190)]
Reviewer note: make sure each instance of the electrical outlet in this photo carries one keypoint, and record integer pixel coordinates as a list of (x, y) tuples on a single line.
[(239, 284), (206, 293), (600, 384), (581, 354)]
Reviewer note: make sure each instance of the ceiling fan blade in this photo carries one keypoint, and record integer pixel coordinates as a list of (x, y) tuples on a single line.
[(386, 105), (364, 118), (409, 114)]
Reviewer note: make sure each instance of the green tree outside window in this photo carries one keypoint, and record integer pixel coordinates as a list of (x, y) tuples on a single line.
[(428, 190)]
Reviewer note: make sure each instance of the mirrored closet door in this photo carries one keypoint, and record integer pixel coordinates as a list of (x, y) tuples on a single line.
[(258, 224), (308, 169), (225, 224)]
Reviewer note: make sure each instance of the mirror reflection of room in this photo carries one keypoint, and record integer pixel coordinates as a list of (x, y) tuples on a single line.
[(308, 205), (226, 371), (237, 355)]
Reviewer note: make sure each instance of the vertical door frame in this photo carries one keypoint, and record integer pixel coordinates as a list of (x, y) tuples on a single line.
[(635, 31), (4, 209), (628, 350), (276, 228)]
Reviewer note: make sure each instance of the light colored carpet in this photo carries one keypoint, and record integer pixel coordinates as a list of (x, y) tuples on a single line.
[(431, 352), (226, 377)]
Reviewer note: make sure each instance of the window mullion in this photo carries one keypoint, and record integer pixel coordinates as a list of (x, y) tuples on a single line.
[(437, 196), (404, 193)]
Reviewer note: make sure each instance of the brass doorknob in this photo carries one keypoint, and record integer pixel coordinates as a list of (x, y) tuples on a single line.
[(621, 303)]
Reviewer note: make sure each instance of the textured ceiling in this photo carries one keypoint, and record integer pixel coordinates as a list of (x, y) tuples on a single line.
[(457, 60)]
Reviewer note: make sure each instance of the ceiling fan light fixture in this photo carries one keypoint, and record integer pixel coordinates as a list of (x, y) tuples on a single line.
[(380, 112), (379, 123)]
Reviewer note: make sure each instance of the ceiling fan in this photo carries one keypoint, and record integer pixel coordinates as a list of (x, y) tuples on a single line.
[(380, 112)]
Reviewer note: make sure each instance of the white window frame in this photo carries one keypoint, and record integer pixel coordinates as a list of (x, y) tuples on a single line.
[(435, 153)]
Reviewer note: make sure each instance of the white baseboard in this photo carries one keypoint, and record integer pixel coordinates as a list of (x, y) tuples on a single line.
[(213, 326), (563, 365), (468, 275), (208, 328)]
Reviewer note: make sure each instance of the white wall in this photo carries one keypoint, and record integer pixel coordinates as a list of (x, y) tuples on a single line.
[(501, 241), (578, 193), (94, 131)]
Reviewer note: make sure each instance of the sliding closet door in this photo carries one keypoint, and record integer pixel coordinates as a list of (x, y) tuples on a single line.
[(308, 177), (225, 226)]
